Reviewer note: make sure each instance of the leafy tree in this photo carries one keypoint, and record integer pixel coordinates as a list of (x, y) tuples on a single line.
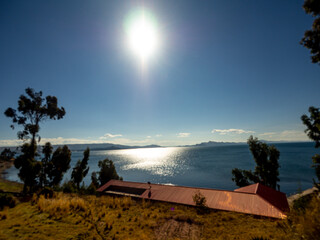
[(106, 173), (313, 132), (7, 154), (94, 180), (33, 109), (53, 165), (29, 166), (58, 165), (47, 151), (266, 170), (311, 37), (81, 169)]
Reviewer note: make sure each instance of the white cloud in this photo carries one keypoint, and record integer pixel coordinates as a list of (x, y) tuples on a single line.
[(231, 130), (109, 135), (183, 135), (148, 136), (286, 135), (9, 143), (158, 135), (268, 134)]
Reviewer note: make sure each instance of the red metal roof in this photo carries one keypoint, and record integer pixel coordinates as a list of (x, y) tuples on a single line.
[(254, 199), (276, 198)]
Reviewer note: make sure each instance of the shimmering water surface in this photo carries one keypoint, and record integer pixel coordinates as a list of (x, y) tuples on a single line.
[(199, 166)]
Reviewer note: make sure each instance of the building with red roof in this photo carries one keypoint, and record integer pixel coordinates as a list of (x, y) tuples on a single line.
[(255, 199)]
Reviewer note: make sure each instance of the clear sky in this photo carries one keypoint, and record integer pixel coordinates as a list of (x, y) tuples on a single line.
[(224, 70)]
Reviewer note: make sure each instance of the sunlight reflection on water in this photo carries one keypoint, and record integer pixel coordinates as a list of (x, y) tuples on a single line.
[(159, 161)]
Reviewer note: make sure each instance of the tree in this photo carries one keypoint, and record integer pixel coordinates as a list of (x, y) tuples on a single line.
[(106, 173), (81, 169), (58, 165), (311, 37), (7, 154), (266, 170), (313, 132), (29, 167), (54, 166), (33, 109), (94, 180), (46, 151)]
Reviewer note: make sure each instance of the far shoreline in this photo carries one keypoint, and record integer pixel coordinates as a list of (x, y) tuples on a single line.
[(4, 165)]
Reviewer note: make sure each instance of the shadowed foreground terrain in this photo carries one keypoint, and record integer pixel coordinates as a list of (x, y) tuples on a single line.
[(70, 216)]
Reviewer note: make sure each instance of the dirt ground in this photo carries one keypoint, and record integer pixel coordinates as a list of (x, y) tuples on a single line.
[(173, 229)]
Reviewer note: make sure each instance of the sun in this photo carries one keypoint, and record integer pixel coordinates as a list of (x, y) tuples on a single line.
[(142, 34)]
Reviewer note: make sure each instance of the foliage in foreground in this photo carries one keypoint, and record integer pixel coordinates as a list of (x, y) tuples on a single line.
[(7, 155), (311, 37), (266, 170), (304, 218), (313, 131), (7, 200), (106, 173)]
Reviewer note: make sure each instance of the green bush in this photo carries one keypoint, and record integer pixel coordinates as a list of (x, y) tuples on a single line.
[(47, 192), (306, 223), (7, 200), (301, 203), (69, 187)]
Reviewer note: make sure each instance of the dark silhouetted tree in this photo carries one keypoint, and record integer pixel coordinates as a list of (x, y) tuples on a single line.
[(54, 165), (29, 167), (81, 169), (7, 154), (46, 151), (106, 173), (313, 132), (94, 180), (266, 170), (311, 37), (58, 165), (32, 110)]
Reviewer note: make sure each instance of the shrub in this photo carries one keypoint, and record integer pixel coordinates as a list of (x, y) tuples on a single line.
[(47, 192), (199, 199), (307, 223), (201, 202), (301, 203), (68, 187), (7, 200)]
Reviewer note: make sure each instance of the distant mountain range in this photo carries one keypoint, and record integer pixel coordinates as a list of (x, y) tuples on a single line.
[(214, 144), (111, 146), (94, 146), (104, 146)]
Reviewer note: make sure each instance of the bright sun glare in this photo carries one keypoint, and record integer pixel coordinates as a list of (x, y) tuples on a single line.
[(142, 33)]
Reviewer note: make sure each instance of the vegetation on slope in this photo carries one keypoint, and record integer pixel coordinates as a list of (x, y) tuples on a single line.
[(72, 216)]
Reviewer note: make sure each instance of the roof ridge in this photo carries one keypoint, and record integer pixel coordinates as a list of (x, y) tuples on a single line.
[(200, 188), (257, 185)]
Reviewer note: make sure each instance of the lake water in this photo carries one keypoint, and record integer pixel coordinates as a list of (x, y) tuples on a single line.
[(208, 167)]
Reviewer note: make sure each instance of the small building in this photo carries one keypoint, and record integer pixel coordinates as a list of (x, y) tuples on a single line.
[(255, 199)]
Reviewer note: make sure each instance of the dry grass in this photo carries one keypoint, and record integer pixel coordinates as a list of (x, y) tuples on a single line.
[(61, 205), (68, 216), (8, 186)]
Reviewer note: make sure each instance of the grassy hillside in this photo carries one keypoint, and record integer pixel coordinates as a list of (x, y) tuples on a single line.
[(68, 216)]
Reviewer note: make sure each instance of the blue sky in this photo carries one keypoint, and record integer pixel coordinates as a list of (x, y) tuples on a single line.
[(225, 70)]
